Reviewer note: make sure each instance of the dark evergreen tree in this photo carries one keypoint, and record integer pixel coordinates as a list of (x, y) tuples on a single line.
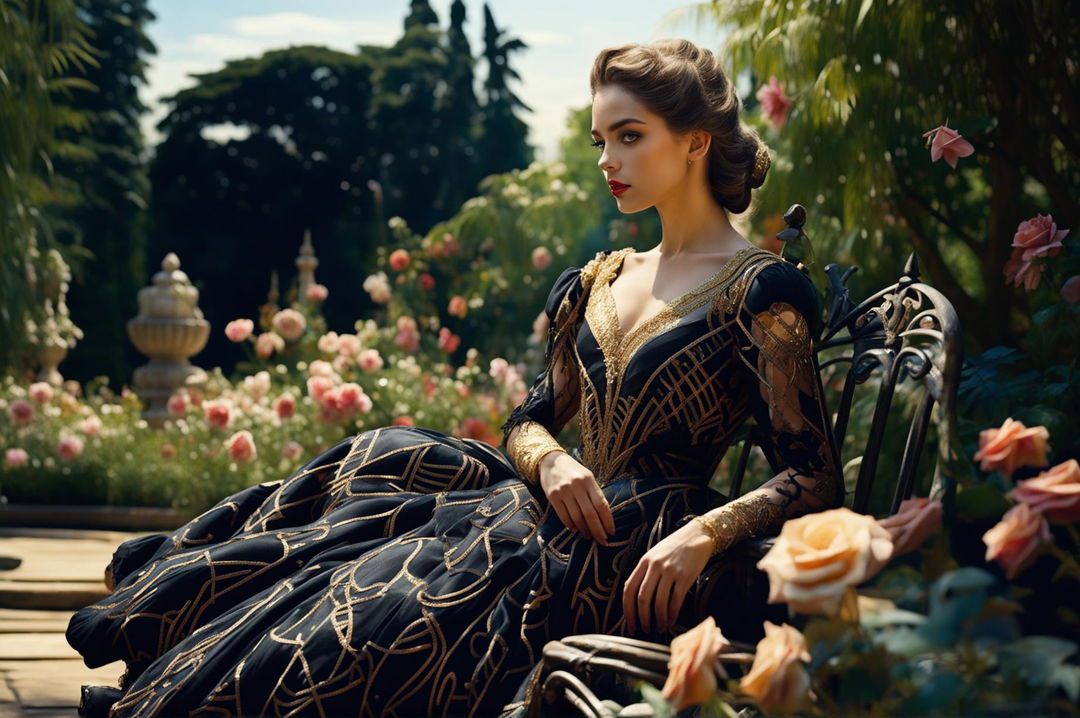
[(107, 176), (503, 145), (459, 113)]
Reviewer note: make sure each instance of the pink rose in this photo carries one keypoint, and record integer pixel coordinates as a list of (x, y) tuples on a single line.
[(267, 344), (1038, 237), (218, 413), (916, 520), (497, 368), (328, 343), (291, 451), (399, 260), (289, 323), (73, 387), (403, 420), (349, 345), (1011, 446), (14, 458), (168, 451), (370, 361), (408, 340), (949, 144), (177, 405), (1015, 540), (321, 367), (317, 387), (1055, 492), (257, 385), (317, 293), (239, 329), (285, 406), (427, 282), (241, 446), (774, 103), (541, 258), (21, 411), (347, 395), (462, 389), (448, 341), (1070, 290), (457, 307), (1018, 272), (69, 447), (91, 426), (41, 392), (540, 327)]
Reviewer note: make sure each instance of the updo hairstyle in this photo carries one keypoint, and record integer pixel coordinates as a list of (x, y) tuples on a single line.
[(686, 85)]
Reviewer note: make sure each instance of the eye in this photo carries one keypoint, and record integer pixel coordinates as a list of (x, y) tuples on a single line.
[(632, 135)]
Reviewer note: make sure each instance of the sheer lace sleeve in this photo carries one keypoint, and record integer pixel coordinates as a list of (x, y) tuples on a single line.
[(555, 394), (775, 328)]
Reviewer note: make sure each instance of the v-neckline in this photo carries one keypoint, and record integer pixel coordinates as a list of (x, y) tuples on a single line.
[(621, 345)]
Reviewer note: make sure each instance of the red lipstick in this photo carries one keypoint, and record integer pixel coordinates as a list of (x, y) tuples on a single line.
[(617, 188)]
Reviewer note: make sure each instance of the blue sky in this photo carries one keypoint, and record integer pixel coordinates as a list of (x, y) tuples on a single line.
[(563, 35)]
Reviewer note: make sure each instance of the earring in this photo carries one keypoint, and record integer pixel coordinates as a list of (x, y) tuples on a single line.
[(688, 161)]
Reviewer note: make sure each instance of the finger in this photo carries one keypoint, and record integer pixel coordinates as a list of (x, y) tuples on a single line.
[(645, 598), (678, 595), (629, 597), (574, 512), (662, 601), (603, 510), (561, 513), (588, 511)]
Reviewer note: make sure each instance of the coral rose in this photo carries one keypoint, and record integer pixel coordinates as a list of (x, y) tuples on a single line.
[(399, 260), (691, 678), (241, 446), (317, 293), (1011, 446), (457, 306), (949, 144), (774, 103), (1055, 492), (14, 458), (916, 520), (1015, 540), (218, 413), (239, 329), (1038, 237), (448, 341), (267, 344), (40, 392), (403, 420), (290, 324), (778, 681), (168, 451), (21, 411), (177, 405), (285, 406), (818, 556), (69, 447)]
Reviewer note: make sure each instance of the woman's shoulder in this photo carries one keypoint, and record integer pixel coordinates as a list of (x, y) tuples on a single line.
[(784, 283)]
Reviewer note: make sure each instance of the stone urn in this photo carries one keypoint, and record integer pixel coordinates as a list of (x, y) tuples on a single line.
[(50, 355), (169, 329)]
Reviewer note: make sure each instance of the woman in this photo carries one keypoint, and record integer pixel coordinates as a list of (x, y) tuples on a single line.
[(408, 572)]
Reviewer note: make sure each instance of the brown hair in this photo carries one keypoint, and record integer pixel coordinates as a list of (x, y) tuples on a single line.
[(686, 85)]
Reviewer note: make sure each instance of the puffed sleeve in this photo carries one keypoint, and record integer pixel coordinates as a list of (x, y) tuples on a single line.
[(774, 330), (555, 394)]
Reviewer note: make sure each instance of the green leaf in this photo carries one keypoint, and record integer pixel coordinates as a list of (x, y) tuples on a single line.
[(656, 700), (980, 502)]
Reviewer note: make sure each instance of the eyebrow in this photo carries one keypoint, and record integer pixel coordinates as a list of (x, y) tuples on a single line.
[(620, 123)]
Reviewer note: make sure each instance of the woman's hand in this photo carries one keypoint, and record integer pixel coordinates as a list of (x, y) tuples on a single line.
[(576, 497), (663, 577)]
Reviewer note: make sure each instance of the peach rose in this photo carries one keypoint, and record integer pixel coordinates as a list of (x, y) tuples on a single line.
[(328, 343), (916, 520), (399, 260), (778, 681), (257, 385), (285, 406), (168, 451), (40, 392), (241, 446), (177, 405), (949, 144), (239, 329), (1015, 540), (1054, 493), (378, 288), (218, 413), (268, 343), (69, 447), (318, 293), (21, 411), (775, 104), (91, 426), (14, 458), (289, 323), (541, 258), (691, 678), (1011, 446), (818, 556), (291, 451), (457, 306), (370, 361)]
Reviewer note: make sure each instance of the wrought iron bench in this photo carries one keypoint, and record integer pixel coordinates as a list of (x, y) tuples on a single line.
[(904, 337)]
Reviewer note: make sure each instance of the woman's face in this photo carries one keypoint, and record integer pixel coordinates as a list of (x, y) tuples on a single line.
[(636, 149)]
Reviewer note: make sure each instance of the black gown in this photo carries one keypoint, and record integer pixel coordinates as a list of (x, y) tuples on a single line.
[(409, 572)]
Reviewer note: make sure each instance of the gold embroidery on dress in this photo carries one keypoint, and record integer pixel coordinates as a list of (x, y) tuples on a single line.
[(531, 443)]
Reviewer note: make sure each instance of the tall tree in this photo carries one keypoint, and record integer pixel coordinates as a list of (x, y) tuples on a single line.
[(503, 144), (109, 180), (40, 42), (459, 113)]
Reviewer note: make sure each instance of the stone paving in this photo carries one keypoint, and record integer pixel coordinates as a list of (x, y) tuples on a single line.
[(44, 575)]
